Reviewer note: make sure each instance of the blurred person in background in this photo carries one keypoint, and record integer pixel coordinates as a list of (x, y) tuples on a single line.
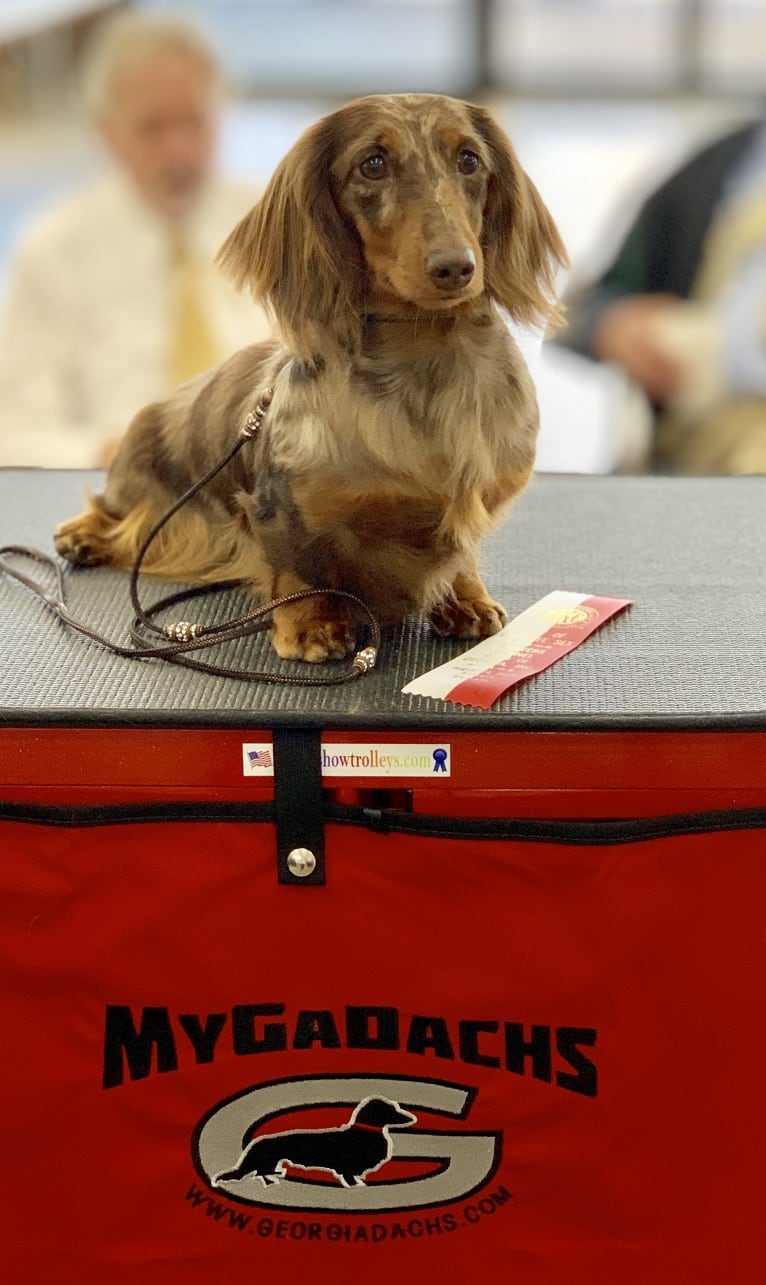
[(113, 297), (682, 309)]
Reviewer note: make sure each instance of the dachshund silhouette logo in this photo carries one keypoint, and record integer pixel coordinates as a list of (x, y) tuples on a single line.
[(341, 1163), (350, 1152)]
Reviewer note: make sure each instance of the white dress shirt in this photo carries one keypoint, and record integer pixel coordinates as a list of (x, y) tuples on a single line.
[(726, 338), (84, 342)]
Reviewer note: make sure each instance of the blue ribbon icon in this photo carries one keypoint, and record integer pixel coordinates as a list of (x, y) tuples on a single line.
[(440, 761)]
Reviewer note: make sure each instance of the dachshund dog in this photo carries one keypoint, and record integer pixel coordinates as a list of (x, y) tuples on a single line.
[(351, 1151), (403, 418)]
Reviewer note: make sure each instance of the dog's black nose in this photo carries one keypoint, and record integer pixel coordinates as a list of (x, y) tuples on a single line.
[(451, 269)]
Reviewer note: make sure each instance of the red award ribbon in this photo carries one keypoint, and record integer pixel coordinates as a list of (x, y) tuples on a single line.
[(535, 639)]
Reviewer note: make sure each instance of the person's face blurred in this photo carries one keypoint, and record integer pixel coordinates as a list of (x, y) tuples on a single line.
[(161, 126)]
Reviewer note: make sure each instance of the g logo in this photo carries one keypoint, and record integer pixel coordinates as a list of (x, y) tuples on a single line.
[(381, 1126)]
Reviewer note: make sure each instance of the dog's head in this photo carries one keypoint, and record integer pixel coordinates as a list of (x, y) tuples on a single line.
[(377, 1113), (410, 200)]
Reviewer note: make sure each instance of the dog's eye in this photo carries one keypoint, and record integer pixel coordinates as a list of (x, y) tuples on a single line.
[(467, 161), (374, 166)]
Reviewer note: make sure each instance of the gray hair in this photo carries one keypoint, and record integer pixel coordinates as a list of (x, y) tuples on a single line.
[(131, 39)]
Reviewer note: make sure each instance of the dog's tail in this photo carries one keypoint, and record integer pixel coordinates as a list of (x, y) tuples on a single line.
[(231, 1175)]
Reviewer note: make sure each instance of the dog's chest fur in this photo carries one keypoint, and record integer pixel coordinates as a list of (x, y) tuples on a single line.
[(456, 417), (404, 466)]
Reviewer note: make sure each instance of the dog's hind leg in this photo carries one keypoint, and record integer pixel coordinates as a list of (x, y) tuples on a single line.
[(234, 1175), (97, 536)]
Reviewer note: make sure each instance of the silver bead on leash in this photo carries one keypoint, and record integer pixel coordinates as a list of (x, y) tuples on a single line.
[(364, 660), (182, 630), (254, 418)]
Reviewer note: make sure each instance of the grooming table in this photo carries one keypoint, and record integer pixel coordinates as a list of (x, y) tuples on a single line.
[(503, 1023)]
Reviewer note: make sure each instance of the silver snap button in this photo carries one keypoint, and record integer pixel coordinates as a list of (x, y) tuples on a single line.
[(301, 862)]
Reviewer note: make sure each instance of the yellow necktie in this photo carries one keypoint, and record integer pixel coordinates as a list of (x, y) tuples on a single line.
[(192, 347)]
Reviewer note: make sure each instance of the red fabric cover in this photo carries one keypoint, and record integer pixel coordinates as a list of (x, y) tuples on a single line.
[(652, 953)]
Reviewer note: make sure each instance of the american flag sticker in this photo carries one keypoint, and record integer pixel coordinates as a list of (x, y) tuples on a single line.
[(257, 760)]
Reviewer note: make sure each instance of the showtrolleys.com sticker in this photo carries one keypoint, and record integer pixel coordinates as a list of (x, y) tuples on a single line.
[(361, 759)]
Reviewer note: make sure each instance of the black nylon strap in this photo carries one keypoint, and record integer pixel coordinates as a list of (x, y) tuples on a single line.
[(592, 832), (298, 801), (88, 815)]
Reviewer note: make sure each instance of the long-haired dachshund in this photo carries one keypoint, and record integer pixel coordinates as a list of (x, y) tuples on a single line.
[(403, 417)]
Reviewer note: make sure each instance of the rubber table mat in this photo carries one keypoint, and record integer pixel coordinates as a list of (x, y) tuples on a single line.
[(690, 651)]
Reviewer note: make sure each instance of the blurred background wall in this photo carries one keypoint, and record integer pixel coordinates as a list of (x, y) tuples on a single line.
[(601, 97)]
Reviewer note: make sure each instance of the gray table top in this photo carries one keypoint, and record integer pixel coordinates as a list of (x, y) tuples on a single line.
[(690, 652)]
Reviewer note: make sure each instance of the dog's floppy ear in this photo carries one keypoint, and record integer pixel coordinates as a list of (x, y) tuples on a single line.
[(295, 252), (521, 244)]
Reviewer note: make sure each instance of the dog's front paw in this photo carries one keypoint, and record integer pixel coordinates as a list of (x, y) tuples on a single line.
[(467, 618), (302, 631)]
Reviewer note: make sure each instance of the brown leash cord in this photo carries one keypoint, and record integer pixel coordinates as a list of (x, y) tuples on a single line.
[(186, 636)]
